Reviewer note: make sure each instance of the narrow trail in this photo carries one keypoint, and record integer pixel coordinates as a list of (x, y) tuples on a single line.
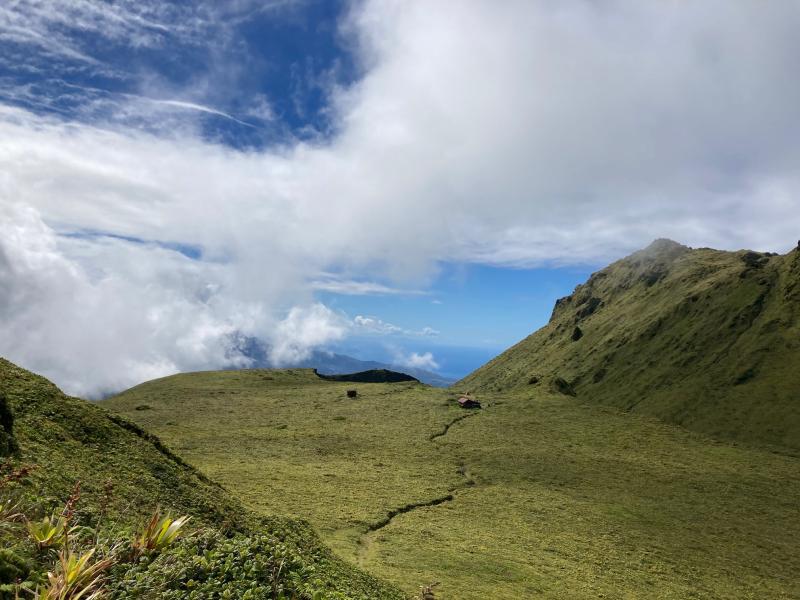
[(365, 542), (407, 508), (447, 426)]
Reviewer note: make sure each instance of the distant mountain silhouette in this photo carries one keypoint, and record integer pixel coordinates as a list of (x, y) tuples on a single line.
[(332, 363), (371, 376)]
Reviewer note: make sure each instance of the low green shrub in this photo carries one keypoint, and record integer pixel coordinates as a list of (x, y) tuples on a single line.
[(209, 564)]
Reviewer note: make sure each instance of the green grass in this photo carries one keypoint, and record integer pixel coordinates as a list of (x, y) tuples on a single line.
[(552, 496), (124, 474), (284, 439)]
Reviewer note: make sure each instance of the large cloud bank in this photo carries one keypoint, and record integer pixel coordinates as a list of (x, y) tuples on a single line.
[(507, 133)]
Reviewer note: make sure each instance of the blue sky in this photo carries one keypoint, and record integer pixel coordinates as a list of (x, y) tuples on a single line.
[(408, 181), (267, 65), (477, 311)]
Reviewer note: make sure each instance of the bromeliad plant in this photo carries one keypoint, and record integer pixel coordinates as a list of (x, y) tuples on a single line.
[(51, 531), (75, 577), (159, 533), (55, 529)]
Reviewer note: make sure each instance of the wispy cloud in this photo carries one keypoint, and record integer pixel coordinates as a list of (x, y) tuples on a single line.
[(375, 325), (349, 287), (200, 108), (52, 25), (155, 66)]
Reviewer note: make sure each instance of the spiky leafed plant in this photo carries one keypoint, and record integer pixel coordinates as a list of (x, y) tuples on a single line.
[(75, 577), (50, 531), (10, 512), (56, 528), (159, 533), (10, 508)]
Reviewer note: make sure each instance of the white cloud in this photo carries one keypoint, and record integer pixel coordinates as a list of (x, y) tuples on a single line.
[(143, 313), (350, 287), (48, 24), (260, 108), (513, 133), (200, 108), (375, 325), (417, 361), (303, 329), (68, 32)]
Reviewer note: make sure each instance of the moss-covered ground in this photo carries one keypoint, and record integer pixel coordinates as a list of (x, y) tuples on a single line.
[(535, 495)]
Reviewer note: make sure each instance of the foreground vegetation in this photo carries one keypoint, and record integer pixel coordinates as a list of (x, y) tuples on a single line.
[(79, 495), (538, 494)]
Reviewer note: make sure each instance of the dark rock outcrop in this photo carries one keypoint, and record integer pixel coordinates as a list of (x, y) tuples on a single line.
[(562, 386), (7, 442), (372, 376)]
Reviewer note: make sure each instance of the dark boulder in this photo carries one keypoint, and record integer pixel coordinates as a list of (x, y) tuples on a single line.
[(589, 307), (562, 386), (653, 275), (8, 444), (745, 376), (754, 260), (559, 306)]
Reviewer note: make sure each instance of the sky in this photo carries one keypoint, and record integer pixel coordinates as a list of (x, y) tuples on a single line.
[(414, 181)]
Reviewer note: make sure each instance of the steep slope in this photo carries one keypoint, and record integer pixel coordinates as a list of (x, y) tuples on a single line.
[(703, 338), (69, 439), (57, 441)]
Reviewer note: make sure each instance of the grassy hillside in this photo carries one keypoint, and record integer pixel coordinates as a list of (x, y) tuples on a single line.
[(533, 496), (706, 339), (285, 439), (49, 442)]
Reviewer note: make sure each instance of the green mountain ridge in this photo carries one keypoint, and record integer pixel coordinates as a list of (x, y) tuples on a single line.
[(703, 338)]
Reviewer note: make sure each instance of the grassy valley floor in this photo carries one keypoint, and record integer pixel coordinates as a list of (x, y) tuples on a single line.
[(535, 495)]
